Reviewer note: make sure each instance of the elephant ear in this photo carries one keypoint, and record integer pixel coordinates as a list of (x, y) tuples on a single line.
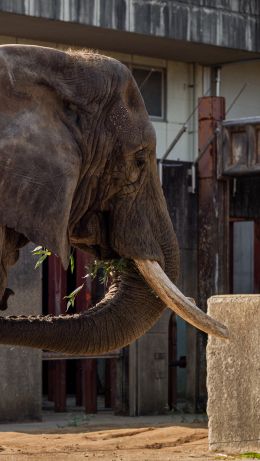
[(36, 198), (40, 160)]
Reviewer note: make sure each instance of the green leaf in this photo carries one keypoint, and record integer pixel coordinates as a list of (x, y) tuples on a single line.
[(109, 268), (72, 263), (71, 297), (74, 292), (43, 253), (36, 249), (40, 261), (70, 303)]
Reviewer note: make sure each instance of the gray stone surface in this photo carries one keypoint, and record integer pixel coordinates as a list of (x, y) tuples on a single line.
[(233, 380), (20, 370)]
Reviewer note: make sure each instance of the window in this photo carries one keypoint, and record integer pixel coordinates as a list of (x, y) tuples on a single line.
[(151, 85)]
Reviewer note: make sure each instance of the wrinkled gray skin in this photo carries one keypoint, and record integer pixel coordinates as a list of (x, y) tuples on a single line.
[(78, 168)]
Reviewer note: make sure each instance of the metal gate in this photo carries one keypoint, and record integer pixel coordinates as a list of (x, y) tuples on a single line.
[(61, 370)]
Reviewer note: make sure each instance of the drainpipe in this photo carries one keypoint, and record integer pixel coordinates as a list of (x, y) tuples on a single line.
[(216, 81)]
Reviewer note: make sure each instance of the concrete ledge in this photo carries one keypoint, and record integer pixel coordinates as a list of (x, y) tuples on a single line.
[(233, 379)]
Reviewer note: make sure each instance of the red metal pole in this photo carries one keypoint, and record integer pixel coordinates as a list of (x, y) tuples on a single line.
[(110, 383), (57, 286), (211, 111), (213, 254), (257, 257), (86, 375)]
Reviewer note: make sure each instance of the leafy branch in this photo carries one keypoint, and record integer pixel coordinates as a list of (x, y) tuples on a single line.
[(43, 253), (71, 297), (108, 269)]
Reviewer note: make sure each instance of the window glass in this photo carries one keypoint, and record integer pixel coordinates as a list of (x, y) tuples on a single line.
[(150, 82)]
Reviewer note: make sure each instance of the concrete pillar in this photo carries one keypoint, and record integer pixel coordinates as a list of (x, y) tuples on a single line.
[(20, 370), (233, 379)]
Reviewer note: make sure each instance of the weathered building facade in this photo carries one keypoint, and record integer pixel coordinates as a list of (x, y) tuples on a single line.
[(184, 50)]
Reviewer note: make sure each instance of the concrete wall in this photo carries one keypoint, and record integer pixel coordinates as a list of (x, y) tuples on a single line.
[(20, 371), (227, 23)]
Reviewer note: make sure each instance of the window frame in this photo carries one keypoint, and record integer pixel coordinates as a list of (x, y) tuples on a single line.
[(162, 70)]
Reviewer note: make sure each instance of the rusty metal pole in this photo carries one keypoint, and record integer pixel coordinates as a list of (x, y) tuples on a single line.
[(211, 111), (86, 375), (213, 260), (57, 285), (257, 257)]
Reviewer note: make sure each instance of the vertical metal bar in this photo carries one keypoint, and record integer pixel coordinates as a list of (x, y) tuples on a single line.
[(89, 375), (133, 392), (51, 380), (110, 383), (57, 286), (79, 383), (211, 200), (257, 257), (213, 258), (172, 387), (86, 374), (231, 256), (59, 387)]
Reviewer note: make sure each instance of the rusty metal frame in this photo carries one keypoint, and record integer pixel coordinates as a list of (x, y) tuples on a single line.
[(239, 147)]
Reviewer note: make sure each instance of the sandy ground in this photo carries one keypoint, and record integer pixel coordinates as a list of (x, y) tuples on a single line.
[(76, 437)]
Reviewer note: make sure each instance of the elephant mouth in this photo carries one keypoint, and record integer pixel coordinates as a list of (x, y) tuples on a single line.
[(176, 301), (156, 278)]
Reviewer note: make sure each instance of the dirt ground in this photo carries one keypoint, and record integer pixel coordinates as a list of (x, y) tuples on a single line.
[(76, 437)]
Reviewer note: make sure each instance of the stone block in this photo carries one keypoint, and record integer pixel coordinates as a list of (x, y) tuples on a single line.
[(233, 375)]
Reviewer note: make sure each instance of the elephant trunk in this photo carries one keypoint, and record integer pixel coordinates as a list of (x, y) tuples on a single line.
[(128, 310)]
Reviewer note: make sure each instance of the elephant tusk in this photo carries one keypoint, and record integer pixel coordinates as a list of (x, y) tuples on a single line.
[(175, 300)]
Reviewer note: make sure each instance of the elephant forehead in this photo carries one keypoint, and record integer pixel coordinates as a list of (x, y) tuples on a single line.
[(132, 127)]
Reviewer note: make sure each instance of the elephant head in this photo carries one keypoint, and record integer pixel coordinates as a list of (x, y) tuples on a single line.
[(78, 168)]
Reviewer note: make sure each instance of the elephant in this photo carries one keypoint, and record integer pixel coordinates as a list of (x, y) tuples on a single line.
[(78, 169)]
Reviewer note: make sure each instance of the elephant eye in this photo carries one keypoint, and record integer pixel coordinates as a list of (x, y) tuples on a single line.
[(140, 158)]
